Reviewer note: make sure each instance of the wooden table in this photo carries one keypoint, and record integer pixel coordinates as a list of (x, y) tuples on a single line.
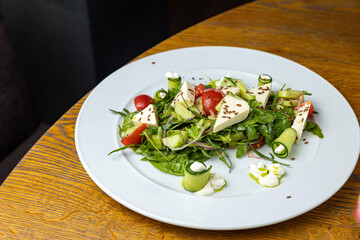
[(50, 196)]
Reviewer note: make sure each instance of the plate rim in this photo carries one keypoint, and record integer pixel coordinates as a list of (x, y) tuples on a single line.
[(166, 220)]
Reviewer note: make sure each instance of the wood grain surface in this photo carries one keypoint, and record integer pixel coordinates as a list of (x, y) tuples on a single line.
[(50, 196)]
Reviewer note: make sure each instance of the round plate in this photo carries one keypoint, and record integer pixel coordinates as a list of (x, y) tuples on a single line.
[(319, 170)]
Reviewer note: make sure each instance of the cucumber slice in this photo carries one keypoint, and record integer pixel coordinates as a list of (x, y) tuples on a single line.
[(158, 138), (130, 130), (176, 140), (182, 111), (232, 82), (264, 79), (195, 181), (290, 94), (219, 105), (228, 82), (160, 95), (284, 142), (289, 103), (244, 93), (174, 85)]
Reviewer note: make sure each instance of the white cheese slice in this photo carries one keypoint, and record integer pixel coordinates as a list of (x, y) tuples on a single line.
[(147, 116), (262, 93), (233, 110), (300, 120), (228, 90), (187, 93)]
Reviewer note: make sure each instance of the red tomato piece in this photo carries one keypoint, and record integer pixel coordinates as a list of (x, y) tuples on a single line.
[(134, 137), (142, 101), (311, 109), (259, 144), (210, 100), (199, 90)]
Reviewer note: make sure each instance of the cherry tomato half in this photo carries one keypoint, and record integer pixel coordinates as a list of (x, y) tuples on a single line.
[(210, 99), (311, 109), (259, 144), (142, 101), (134, 137), (199, 90)]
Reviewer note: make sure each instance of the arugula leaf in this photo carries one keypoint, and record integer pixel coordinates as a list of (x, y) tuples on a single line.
[(272, 158), (174, 167), (314, 129), (122, 148), (221, 154), (117, 112), (241, 149)]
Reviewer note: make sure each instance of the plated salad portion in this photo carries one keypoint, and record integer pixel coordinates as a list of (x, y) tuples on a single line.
[(181, 127)]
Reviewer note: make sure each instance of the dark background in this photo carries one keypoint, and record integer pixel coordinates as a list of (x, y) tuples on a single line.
[(60, 49)]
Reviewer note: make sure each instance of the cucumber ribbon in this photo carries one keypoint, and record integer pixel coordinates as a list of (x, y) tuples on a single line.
[(195, 181), (282, 145)]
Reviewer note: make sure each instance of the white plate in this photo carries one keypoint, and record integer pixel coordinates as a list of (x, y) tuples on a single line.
[(319, 170)]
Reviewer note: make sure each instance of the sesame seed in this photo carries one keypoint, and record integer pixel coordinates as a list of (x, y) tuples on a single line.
[(239, 105), (306, 142), (288, 197), (293, 158)]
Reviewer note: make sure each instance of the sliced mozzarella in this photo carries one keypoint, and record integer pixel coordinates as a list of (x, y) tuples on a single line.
[(300, 120), (279, 149), (217, 181), (270, 180), (257, 170), (228, 90), (262, 93), (233, 110), (147, 116), (197, 166), (187, 93), (276, 169), (206, 191)]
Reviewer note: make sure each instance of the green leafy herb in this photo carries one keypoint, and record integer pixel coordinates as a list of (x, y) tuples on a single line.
[(272, 158), (122, 148), (314, 129), (241, 149)]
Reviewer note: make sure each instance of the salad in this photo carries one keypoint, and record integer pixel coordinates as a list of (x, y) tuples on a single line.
[(187, 124)]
